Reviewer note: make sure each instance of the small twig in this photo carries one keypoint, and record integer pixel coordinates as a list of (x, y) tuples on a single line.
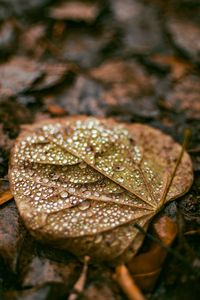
[(192, 232), (194, 150), (127, 283), (80, 283)]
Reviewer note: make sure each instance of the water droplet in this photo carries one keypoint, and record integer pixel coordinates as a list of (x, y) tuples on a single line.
[(98, 239), (84, 205), (118, 168), (63, 195), (120, 179), (82, 165), (45, 180), (71, 190), (56, 176)]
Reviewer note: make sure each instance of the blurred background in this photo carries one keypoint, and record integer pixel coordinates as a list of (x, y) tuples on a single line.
[(132, 60)]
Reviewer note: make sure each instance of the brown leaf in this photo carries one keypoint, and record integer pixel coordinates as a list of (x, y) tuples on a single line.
[(5, 196), (71, 98), (53, 74), (11, 234), (84, 47), (17, 75), (41, 271), (44, 292), (184, 98), (178, 67), (127, 87), (75, 10), (8, 37), (140, 26), (82, 183), (147, 266), (185, 34), (55, 109), (32, 40)]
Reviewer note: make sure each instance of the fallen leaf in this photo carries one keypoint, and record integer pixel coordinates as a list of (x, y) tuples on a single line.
[(8, 37), (17, 75), (44, 292), (11, 234), (140, 26), (184, 97), (5, 197), (84, 47), (55, 109), (147, 266), (178, 67), (40, 271), (127, 88), (75, 10), (82, 184), (185, 34)]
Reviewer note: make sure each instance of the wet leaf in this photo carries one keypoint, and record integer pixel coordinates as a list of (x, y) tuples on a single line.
[(147, 266), (82, 184)]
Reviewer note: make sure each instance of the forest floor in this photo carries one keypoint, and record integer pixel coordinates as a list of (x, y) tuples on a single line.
[(134, 61)]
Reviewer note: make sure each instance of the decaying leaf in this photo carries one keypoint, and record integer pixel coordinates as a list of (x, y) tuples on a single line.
[(11, 234), (75, 10), (147, 266), (82, 183), (5, 197)]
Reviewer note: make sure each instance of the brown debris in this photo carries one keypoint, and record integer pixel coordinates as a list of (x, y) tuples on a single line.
[(185, 35), (11, 234), (135, 61), (5, 196), (17, 75), (146, 267), (178, 67), (75, 10), (55, 109), (127, 87), (184, 98)]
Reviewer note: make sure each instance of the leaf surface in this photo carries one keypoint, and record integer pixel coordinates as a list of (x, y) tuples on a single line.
[(83, 183)]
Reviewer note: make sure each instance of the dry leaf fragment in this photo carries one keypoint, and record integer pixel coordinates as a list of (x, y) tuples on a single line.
[(75, 10), (11, 234), (146, 266), (82, 183), (17, 75), (5, 196)]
